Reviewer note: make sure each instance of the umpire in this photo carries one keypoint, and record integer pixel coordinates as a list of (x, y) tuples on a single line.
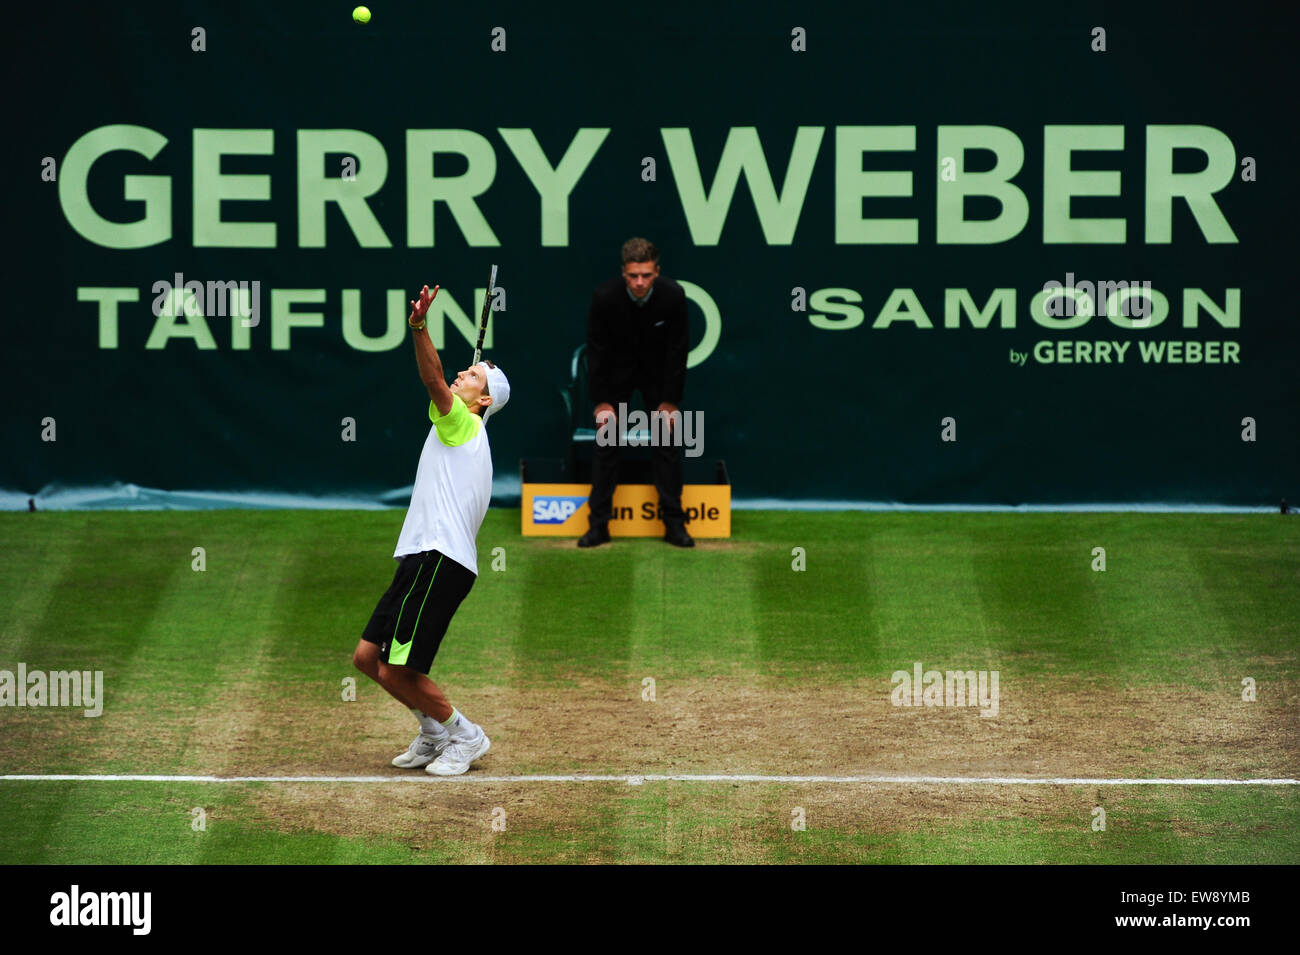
[(637, 340)]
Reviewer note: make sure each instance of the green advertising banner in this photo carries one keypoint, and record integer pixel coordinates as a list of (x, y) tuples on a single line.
[(932, 256)]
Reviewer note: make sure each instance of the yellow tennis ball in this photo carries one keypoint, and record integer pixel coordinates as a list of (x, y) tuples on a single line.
[(361, 14)]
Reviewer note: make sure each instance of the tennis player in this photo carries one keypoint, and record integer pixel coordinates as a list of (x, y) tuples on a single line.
[(437, 556)]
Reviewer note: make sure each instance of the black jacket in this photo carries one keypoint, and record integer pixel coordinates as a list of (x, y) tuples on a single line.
[(632, 346)]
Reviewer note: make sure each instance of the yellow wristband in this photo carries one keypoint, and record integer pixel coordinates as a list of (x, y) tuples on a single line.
[(423, 322)]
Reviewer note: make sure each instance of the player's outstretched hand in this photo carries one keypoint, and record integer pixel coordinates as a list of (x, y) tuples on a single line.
[(421, 305)]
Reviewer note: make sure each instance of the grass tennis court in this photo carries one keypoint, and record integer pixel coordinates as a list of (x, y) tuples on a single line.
[(239, 670)]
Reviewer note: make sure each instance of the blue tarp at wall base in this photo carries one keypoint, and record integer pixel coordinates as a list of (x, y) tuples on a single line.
[(129, 497)]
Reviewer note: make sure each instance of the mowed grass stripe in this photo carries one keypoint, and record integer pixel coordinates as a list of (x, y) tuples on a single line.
[(480, 644), (1253, 580), (825, 615), (691, 605), (125, 826), (1146, 620), (649, 643), (111, 575), (289, 632), (1041, 599), (870, 578), (196, 648), (216, 622), (710, 619), (32, 824), (95, 619), (693, 613), (1154, 613), (674, 823), (577, 613), (253, 580), (928, 602), (33, 559)]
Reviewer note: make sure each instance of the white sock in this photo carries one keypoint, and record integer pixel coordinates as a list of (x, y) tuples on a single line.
[(428, 725), (460, 727)]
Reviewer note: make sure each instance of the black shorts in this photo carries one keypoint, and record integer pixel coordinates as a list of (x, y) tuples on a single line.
[(412, 616)]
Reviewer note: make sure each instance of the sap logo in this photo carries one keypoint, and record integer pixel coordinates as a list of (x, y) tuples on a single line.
[(555, 510)]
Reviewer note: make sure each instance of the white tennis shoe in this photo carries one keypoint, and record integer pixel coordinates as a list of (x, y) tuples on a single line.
[(422, 751), (455, 759)]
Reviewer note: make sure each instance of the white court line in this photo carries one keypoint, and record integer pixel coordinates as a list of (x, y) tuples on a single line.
[(638, 779)]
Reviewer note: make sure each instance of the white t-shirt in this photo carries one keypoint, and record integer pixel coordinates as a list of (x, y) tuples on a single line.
[(453, 486)]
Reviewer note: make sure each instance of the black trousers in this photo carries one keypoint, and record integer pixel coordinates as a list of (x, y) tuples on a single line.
[(667, 460)]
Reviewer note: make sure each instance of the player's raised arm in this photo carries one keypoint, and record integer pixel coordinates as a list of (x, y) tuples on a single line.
[(426, 356)]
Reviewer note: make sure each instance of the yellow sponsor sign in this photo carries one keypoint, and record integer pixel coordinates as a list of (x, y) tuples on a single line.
[(560, 510)]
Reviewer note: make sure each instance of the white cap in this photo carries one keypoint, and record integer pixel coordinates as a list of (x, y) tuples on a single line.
[(498, 388)]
